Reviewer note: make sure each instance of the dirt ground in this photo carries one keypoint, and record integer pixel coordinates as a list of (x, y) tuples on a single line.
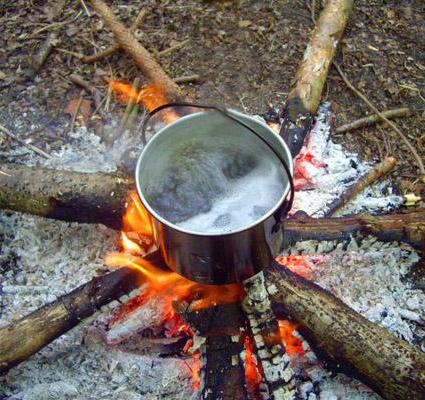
[(246, 53)]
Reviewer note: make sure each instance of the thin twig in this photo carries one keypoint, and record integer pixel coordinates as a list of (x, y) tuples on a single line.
[(373, 119), (172, 48), (129, 108), (115, 47), (186, 79), (77, 108), (85, 8), (72, 53), (384, 119), (27, 145)]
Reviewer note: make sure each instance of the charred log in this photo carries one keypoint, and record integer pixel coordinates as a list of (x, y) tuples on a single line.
[(389, 365), (304, 98), (220, 331), (278, 376)]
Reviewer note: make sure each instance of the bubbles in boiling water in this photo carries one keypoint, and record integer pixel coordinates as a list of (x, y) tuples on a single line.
[(216, 189)]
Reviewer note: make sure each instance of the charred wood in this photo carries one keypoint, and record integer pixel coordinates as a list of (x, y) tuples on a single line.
[(304, 98), (220, 331), (392, 367), (278, 376)]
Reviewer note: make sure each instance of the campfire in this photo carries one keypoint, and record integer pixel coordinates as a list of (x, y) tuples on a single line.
[(331, 317)]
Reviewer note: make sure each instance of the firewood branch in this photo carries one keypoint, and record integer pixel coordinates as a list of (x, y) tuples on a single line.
[(101, 198), (304, 98), (143, 59)]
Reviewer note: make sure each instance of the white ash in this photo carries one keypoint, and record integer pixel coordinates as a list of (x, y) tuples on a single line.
[(370, 277), (340, 171), (41, 259)]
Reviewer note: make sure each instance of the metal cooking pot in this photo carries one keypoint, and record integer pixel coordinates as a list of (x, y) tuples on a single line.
[(223, 257)]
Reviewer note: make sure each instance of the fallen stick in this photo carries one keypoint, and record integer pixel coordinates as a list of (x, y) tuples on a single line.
[(187, 79), (115, 47), (40, 57), (367, 179), (373, 119), (143, 59), (25, 144), (303, 100), (101, 198), (392, 367), (381, 116)]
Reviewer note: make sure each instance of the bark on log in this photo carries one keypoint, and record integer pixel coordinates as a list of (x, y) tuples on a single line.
[(404, 227), (304, 98), (391, 366), (101, 198), (23, 338), (64, 195), (28, 335), (143, 59)]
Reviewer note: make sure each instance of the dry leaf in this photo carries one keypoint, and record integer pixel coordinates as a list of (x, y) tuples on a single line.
[(82, 112)]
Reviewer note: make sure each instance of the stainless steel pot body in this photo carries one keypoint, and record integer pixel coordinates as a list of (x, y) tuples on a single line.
[(214, 258)]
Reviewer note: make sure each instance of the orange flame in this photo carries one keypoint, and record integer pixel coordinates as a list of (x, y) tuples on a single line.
[(167, 283), (151, 96)]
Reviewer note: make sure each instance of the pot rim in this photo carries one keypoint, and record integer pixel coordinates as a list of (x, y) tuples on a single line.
[(159, 218)]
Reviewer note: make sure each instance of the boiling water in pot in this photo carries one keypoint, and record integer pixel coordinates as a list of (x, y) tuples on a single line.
[(216, 183)]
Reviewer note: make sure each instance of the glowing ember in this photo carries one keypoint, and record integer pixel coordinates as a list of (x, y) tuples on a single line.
[(293, 344), (151, 96), (307, 166), (252, 373)]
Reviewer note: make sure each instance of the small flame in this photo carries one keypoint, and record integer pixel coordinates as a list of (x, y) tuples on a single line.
[(151, 96), (170, 285)]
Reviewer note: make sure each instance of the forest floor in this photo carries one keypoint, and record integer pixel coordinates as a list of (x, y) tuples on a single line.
[(246, 53)]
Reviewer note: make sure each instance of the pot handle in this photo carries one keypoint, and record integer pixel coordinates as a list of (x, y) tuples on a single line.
[(282, 212)]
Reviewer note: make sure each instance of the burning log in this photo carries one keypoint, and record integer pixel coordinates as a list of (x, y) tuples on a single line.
[(278, 376), (101, 198), (31, 333), (64, 195), (304, 98), (143, 59), (389, 365)]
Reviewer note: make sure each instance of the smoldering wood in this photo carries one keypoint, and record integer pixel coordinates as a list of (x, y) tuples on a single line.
[(370, 177), (222, 372), (23, 338), (101, 198), (278, 376), (392, 367), (406, 227), (304, 98)]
